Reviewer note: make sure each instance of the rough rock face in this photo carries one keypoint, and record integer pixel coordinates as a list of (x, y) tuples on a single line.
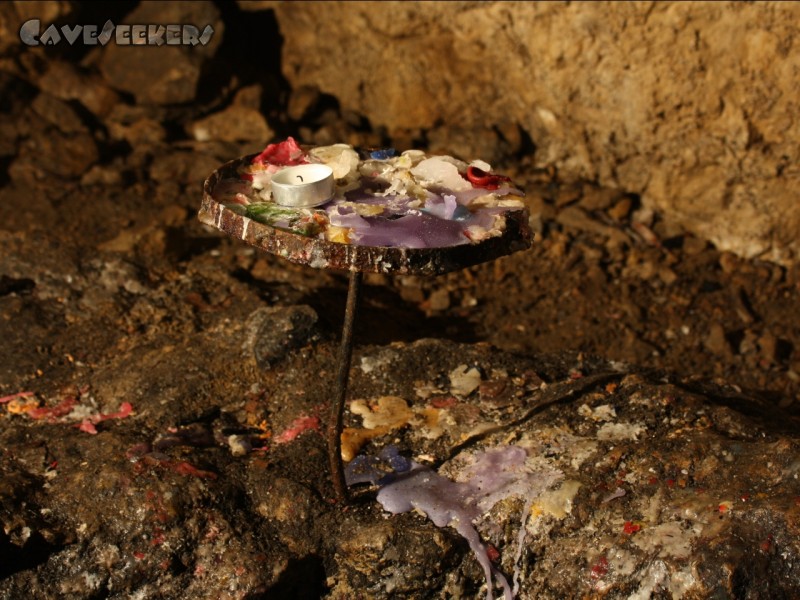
[(628, 485), (169, 74), (691, 105)]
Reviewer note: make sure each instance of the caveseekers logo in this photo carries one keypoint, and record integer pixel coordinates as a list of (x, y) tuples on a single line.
[(123, 35)]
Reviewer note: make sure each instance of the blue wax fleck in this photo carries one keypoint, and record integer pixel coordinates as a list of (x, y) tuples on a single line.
[(382, 154)]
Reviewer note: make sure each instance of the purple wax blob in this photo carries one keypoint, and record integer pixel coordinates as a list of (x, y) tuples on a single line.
[(343, 216), (414, 230), (444, 502), (490, 476), (443, 207)]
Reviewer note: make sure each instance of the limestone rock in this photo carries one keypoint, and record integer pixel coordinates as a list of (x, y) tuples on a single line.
[(14, 14), (642, 488), (233, 124), (689, 105), (58, 113), (68, 82), (302, 101), (275, 331), (138, 130), (53, 153), (162, 74)]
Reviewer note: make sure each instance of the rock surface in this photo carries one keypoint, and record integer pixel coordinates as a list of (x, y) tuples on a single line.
[(164, 74), (690, 105), (653, 487)]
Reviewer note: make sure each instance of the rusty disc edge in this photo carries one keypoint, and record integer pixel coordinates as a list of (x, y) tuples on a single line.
[(322, 254)]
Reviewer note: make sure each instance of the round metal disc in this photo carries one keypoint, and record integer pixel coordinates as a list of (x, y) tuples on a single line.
[(323, 254)]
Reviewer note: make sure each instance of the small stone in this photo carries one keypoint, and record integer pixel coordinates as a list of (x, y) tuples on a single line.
[(693, 245), (768, 347), (557, 248), (668, 228), (102, 175), (464, 380), (567, 194), (646, 233), (743, 306), (536, 203), (635, 346), (715, 340), (248, 96), (599, 198), (234, 124), (728, 262), (68, 82), (52, 152), (667, 275), (621, 209), (748, 343), (172, 215), (577, 218), (140, 126), (58, 113), (439, 300), (497, 392), (239, 444), (644, 216), (143, 131), (275, 331)]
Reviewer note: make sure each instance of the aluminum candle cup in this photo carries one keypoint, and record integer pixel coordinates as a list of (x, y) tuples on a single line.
[(303, 186)]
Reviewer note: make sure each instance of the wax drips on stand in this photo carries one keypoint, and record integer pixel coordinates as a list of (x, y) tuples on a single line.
[(493, 475)]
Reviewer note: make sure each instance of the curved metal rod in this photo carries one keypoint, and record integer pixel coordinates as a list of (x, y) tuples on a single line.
[(343, 372)]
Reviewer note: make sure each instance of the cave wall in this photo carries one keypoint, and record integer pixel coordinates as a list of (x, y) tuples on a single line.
[(691, 105)]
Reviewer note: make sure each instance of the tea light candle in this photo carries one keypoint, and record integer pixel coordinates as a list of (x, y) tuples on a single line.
[(303, 186)]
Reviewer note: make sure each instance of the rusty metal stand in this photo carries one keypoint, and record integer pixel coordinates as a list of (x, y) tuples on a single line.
[(342, 375)]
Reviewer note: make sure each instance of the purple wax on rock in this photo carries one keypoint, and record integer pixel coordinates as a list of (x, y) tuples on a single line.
[(489, 477), (445, 503)]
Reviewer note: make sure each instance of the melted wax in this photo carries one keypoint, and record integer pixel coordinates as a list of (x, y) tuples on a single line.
[(493, 475), (406, 201)]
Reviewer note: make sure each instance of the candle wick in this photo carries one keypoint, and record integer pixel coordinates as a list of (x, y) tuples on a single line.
[(300, 177)]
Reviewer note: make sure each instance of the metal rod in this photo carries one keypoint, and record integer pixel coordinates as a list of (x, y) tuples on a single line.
[(342, 375)]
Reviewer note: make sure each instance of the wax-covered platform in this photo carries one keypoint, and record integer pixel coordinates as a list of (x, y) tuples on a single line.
[(392, 232)]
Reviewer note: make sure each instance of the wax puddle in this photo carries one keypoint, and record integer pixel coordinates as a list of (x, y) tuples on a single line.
[(488, 478)]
